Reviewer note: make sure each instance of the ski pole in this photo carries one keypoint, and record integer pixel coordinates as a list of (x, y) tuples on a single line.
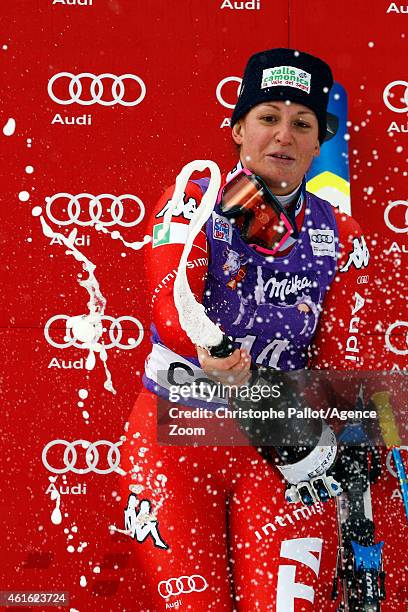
[(402, 477)]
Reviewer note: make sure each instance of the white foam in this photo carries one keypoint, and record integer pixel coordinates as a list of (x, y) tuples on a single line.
[(23, 196), (56, 516), (10, 127), (86, 328), (116, 235), (193, 319)]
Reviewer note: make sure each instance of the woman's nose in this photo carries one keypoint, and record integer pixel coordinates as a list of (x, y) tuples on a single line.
[(283, 133)]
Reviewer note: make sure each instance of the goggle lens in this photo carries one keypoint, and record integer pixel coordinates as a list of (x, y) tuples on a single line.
[(257, 215)]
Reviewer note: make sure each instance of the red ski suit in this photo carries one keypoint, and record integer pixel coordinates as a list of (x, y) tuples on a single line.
[(232, 540)]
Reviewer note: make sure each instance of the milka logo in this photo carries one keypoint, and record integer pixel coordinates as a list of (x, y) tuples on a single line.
[(283, 288), (288, 76)]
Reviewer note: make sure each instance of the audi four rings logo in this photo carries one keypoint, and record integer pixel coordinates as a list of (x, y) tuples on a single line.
[(96, 89), (70, 456), (398, 325), (322, 238), (115, 328), (388, 223), (363, 280), (184, 584), (390, 97), (95, 209), (219, 93)]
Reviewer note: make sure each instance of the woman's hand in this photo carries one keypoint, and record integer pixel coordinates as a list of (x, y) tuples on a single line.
[(229, 371)]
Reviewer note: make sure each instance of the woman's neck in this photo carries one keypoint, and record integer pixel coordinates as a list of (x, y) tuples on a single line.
[(287, 199)]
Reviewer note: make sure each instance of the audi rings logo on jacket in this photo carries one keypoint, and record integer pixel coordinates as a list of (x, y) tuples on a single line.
[(401, 228), (115, 333), (96, 89), (70, 456), (322, 238), (73, 209), (400, 328), (363, 280), (392, 98), (183, 584), (219, 91)]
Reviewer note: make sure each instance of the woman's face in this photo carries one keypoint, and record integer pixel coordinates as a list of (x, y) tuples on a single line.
[(278, 143)]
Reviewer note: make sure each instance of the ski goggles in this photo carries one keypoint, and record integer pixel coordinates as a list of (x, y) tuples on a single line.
[(261, 220)]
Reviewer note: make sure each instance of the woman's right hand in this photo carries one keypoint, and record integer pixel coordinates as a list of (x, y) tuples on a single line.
[(233, 370)]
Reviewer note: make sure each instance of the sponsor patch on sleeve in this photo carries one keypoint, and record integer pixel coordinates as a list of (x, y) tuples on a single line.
[(186, 207), (359, 256), (323, 242), (177, 234)]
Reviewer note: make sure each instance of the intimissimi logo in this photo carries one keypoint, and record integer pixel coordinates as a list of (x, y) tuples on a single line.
[(303, 513), (253, 5)]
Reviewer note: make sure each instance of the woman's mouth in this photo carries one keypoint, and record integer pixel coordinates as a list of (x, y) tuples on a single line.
[(281, 158)]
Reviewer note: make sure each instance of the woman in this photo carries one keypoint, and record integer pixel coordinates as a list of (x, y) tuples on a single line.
[(228, 540)]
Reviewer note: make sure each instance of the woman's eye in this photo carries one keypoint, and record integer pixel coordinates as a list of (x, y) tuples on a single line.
[(302, 124), (269, 118)]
